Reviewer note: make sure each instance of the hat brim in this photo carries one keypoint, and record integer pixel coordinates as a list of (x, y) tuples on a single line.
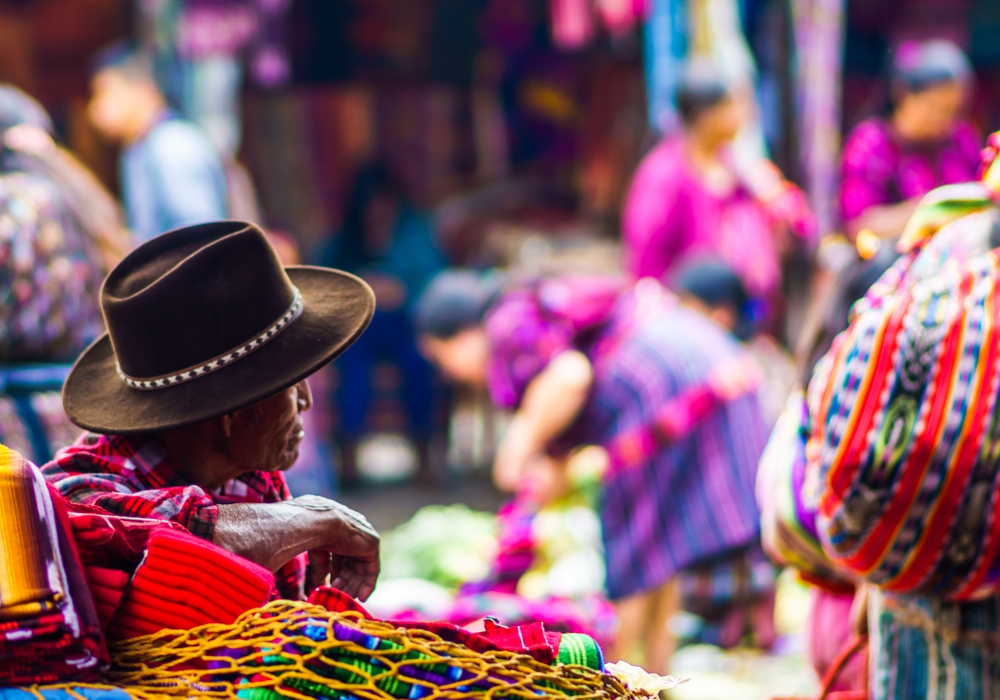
[(337, 308)]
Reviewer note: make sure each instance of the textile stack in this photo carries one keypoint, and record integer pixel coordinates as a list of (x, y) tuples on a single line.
[(48, 622), (336, 650)]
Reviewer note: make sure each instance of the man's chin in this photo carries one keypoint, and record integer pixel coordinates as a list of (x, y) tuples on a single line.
[(289, 460)]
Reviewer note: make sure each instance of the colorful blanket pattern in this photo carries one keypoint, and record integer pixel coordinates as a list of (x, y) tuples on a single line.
[(48, 625), (906, 421), (926, 648), (908, 441), (390, 667)]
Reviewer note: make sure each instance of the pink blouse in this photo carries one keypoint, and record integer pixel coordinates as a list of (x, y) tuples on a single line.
[(878, 168), (671, 216)]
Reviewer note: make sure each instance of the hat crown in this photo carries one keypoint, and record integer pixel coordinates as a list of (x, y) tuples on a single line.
[(191, 295)]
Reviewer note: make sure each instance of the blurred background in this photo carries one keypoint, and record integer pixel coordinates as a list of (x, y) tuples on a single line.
[(499, 134)]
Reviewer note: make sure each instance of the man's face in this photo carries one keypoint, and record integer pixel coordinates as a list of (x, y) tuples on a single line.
[(267, 435), (112, 103)]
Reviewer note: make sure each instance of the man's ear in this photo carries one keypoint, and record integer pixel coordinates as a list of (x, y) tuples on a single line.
[(226, 425)]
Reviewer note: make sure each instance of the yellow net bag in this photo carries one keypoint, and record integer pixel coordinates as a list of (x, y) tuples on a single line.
[(302, 651)]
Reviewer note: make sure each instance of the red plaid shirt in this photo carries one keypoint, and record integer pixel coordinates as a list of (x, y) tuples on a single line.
[(134, 476)]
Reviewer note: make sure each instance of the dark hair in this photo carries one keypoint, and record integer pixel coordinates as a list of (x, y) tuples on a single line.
[(919, 66), (700, 89), (715, 284), (456, 300), (371, 181), (126, 58)]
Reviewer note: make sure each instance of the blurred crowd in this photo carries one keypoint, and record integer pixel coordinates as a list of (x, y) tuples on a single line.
[(645, 394)]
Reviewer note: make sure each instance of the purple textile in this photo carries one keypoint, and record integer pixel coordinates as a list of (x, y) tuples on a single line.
[(878, 168), (533, 324), (671, 216), (693, 500)]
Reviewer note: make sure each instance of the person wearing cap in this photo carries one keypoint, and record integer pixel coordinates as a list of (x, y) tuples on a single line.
[(594, 361), (193, 401), (889, 164)]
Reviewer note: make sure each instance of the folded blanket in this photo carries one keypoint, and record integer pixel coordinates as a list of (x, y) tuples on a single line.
[(49, 629)]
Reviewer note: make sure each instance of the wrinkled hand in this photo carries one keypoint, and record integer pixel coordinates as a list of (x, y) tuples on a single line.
[(347, 555), (342, 545), (735, 377)]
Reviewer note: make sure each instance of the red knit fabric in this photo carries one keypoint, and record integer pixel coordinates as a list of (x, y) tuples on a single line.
[(530, 639), (107, 586), (185, 582)]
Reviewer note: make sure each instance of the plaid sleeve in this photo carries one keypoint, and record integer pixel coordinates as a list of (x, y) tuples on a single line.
[(189, 506), (290, 580)]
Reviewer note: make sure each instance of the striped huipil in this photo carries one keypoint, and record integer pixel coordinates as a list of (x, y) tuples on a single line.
[(693, 499)]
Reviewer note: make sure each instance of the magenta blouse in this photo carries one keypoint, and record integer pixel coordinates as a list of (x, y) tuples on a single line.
[(878, 168), (670, 217)]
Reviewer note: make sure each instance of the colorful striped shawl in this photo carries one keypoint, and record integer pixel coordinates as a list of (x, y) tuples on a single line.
[(907, 437)]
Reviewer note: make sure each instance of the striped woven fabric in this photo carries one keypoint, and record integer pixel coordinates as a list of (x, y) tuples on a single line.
[(48, 625), (184, 582), (927, 649), (31, 583), (907, 435), (580, 650)]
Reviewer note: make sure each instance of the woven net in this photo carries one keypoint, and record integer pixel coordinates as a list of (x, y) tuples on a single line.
[(297, 650)]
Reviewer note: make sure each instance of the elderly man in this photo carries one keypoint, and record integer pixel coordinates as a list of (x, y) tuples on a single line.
[(194, 397)]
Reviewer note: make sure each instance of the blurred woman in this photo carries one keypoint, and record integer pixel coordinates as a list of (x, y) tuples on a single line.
[(60, 231), (689, 199), (664, 390), (390, 244), (889, 163)]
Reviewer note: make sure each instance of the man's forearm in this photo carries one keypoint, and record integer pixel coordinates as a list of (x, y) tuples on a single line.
[(269, 534)]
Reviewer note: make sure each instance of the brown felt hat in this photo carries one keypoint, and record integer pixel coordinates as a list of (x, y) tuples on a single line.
[(204, 321)]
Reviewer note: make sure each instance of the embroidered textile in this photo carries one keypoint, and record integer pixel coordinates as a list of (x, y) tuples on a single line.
[(50, 274)]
